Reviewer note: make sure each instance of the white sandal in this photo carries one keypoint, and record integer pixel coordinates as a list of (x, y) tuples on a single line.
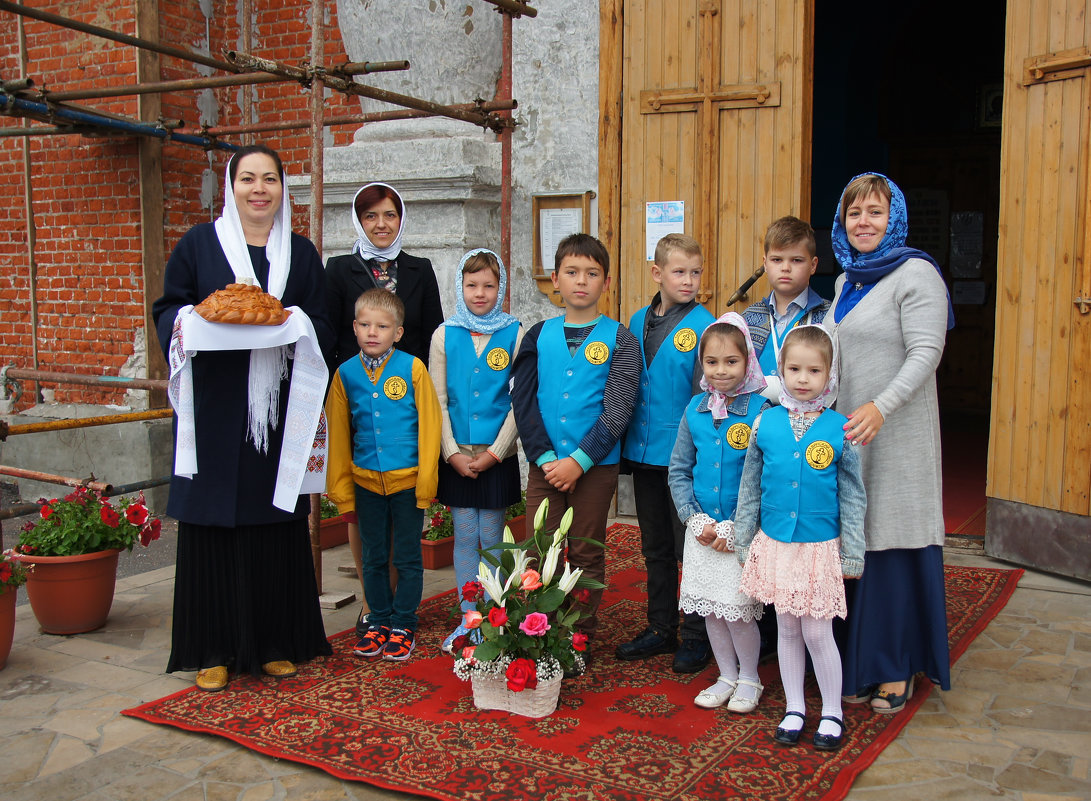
[(706, 699), (744, 705)]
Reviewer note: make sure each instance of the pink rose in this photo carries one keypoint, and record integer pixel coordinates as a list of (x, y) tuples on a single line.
[(535, 624), (498, 616), (468, 653), (472, 620), (532, 580)]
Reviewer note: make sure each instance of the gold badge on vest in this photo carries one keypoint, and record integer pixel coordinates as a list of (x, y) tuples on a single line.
[(497, 358), (738, 436), (820, 455), (685, 340), (395, 387), (597, 352)]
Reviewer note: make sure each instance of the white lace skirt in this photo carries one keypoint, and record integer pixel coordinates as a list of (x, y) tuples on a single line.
[(799, 578), (710, 584)]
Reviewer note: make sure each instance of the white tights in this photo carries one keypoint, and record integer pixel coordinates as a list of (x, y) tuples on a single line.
[(736, 645), (796, 636)]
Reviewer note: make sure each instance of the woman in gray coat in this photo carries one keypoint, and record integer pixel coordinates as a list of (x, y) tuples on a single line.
[(890, 316)]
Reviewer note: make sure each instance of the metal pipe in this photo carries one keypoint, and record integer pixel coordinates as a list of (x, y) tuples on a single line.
[(503, 90), (318, 87), (114, 36), (89, 422), (87, 380), (136, 486), (46, 130), (163, 86), (10, 103), (368, 67), (31, 227), (19, 510), (513, 8), (20, 84), (247, 61), (50, 478), (246, 42), (351, 119)]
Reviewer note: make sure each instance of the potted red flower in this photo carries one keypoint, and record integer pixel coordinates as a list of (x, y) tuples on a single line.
[(73, 549), (13, 575), (333, 527), (437, 543)]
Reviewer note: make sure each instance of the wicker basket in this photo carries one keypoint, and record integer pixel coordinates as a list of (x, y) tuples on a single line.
[(491, 692)]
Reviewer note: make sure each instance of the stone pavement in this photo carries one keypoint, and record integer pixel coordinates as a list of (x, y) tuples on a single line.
[(1016, 724)]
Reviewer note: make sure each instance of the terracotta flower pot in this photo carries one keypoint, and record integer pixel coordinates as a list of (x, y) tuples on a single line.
[(518, 526), (71, 594), (334, 531), (436, 554), (7, 624)]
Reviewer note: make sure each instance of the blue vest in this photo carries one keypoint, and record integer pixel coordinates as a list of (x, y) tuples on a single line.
[(799, 480), (666, 386), (384, 415), (720, 456), (571, 387), (477, 386)]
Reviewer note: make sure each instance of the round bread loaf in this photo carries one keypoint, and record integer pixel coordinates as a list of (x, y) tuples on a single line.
[(242, 304)]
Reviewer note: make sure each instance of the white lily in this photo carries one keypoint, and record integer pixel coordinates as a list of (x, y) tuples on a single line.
[(540, 515), (490, 581), (521, 560), (566, 522), (569, 578), (508, 536), (550, 565)]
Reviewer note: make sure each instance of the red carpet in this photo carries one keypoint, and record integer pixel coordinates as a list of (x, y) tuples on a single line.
[(623, 731)]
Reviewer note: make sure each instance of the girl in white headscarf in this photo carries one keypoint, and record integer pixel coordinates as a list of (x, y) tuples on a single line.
[(703, 475), (801, 483)]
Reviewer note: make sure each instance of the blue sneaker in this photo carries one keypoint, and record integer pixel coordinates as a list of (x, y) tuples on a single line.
[(448, 646)]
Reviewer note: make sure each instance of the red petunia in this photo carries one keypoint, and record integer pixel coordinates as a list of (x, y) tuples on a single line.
[(109, 516), (46, 511), (137, 514), (5, 572)]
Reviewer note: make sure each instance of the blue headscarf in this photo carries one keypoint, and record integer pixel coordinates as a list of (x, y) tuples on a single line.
[(863, 270), (492, 321)]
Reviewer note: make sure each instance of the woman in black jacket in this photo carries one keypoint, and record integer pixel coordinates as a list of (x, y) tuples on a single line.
[(377, 260)]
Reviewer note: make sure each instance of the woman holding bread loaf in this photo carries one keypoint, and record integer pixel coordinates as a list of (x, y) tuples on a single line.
[(246, 367)]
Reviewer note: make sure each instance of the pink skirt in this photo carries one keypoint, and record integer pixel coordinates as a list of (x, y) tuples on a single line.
[(799, 578)]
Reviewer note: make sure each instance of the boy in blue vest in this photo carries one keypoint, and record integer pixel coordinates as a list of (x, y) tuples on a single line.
[(669, 329), (573, 385), (384, 432), (790, 261)]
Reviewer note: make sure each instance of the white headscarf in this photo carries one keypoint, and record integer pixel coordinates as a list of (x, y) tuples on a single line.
[(268, 366), (826, 397), (364, 246)]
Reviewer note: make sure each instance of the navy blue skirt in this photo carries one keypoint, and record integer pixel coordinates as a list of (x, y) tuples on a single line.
[(897, 621), (496, 488)]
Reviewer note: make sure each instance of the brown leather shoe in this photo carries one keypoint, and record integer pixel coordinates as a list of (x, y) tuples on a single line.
[(281, 669), (212, 679)]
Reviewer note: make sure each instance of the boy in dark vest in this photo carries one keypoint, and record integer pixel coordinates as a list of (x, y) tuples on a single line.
[(384, 432), (573, 384), (669, 329)]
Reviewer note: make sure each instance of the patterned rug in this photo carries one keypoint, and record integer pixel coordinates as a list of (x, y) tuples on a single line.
[(625, 730)]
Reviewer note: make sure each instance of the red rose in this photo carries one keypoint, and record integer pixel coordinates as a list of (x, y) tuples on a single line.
[(498, 616), (137, 514), (579, 641), (460, 642), (472, 591), (522, 674), (582, 595), (109, 516)]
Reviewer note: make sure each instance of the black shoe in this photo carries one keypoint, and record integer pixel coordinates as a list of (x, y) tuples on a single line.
[(361, 625), (790, 736), (648, 643), (829, 742), (692, 656)]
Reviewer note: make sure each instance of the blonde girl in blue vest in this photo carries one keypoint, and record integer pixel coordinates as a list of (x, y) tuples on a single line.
[(469, 361), (801, 484), (704, 473)]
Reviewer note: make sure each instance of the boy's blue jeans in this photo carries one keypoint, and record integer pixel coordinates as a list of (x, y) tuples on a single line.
[(390, 525)]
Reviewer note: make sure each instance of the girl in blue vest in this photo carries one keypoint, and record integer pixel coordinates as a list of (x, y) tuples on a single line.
[(469, 361), (705, 468), (801, 483)]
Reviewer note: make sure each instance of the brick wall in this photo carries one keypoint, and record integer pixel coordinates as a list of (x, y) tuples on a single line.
[(89, 286)]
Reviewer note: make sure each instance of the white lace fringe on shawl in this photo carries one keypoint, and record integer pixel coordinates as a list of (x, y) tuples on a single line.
[(302, 467)]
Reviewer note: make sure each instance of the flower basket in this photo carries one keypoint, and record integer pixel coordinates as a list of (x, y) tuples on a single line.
[(491, 692)]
